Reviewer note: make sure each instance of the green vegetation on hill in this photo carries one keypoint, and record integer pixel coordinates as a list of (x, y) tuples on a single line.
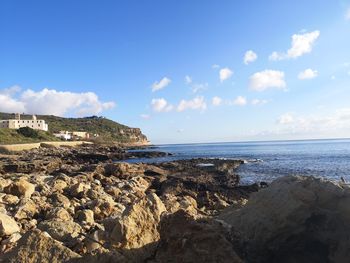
[(106, 129), (10, 136)]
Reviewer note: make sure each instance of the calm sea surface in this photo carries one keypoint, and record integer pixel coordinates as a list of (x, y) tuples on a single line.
[(269, 160)]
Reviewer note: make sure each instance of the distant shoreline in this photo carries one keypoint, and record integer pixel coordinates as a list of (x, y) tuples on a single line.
[(253, 141)]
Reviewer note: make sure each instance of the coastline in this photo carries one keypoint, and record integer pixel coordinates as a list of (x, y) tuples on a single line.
[(86, 205)]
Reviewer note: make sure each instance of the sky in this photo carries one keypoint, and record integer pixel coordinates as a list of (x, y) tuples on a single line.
[(182, 71)]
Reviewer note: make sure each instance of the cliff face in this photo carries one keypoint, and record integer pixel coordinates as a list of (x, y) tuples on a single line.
[(99, 127), (134, 135)]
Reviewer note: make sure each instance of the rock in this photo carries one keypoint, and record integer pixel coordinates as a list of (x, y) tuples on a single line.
[(4, 183), (183, 239), (106, 257), (21, 188), (101, 208), (60, 200), (58, 185), (59, 213), (94, 240), (26, 210), (8, 243), (9, 199), (174, 203), (78, 190), (66, 232), (86, 216), (295, 219), (138, 226), (36, 246), (20, 167), (8, 225)]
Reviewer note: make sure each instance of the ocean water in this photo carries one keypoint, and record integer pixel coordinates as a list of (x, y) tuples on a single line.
[(270, 160)]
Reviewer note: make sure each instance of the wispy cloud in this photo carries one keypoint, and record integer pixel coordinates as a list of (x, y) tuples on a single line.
[(145, 116), (188, 79), (258, 102), (216, 101), (347, 14), (158, 85), (301, 44), (240, 101), (336, 123), (198, 103)]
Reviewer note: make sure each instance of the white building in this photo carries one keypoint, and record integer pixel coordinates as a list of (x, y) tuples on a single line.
[(18, 123), (74, 135), (64, 135)]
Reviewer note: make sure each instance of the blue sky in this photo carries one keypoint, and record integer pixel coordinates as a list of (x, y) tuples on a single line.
[(176, 68)]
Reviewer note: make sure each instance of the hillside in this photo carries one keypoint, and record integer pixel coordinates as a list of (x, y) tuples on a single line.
[(9, 136), (107, 130)]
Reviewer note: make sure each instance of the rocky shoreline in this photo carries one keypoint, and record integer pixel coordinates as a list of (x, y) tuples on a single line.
[(85, 205)]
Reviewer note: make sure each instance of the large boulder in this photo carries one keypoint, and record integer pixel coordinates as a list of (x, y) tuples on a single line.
[(184, 239), (37, 246), (137, 228), (296, 219)]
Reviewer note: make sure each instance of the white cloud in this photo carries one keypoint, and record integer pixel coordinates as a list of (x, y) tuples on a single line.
[(301, 44), (198, 103), (286, 118), (216, 101), (266, 79), (158, 85), (336, 124), (258, 102), (215, 66), (52, 102), (308, 74), (347, 15), (249, 56), (8, 104), (196, 87), (161, 105), (145, 116), (225, 73), (240, 101), (188, 79)]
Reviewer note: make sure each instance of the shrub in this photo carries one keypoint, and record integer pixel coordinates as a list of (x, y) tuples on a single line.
[(28, 132)]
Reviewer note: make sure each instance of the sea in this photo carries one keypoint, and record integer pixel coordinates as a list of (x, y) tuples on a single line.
[(266, 161)]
